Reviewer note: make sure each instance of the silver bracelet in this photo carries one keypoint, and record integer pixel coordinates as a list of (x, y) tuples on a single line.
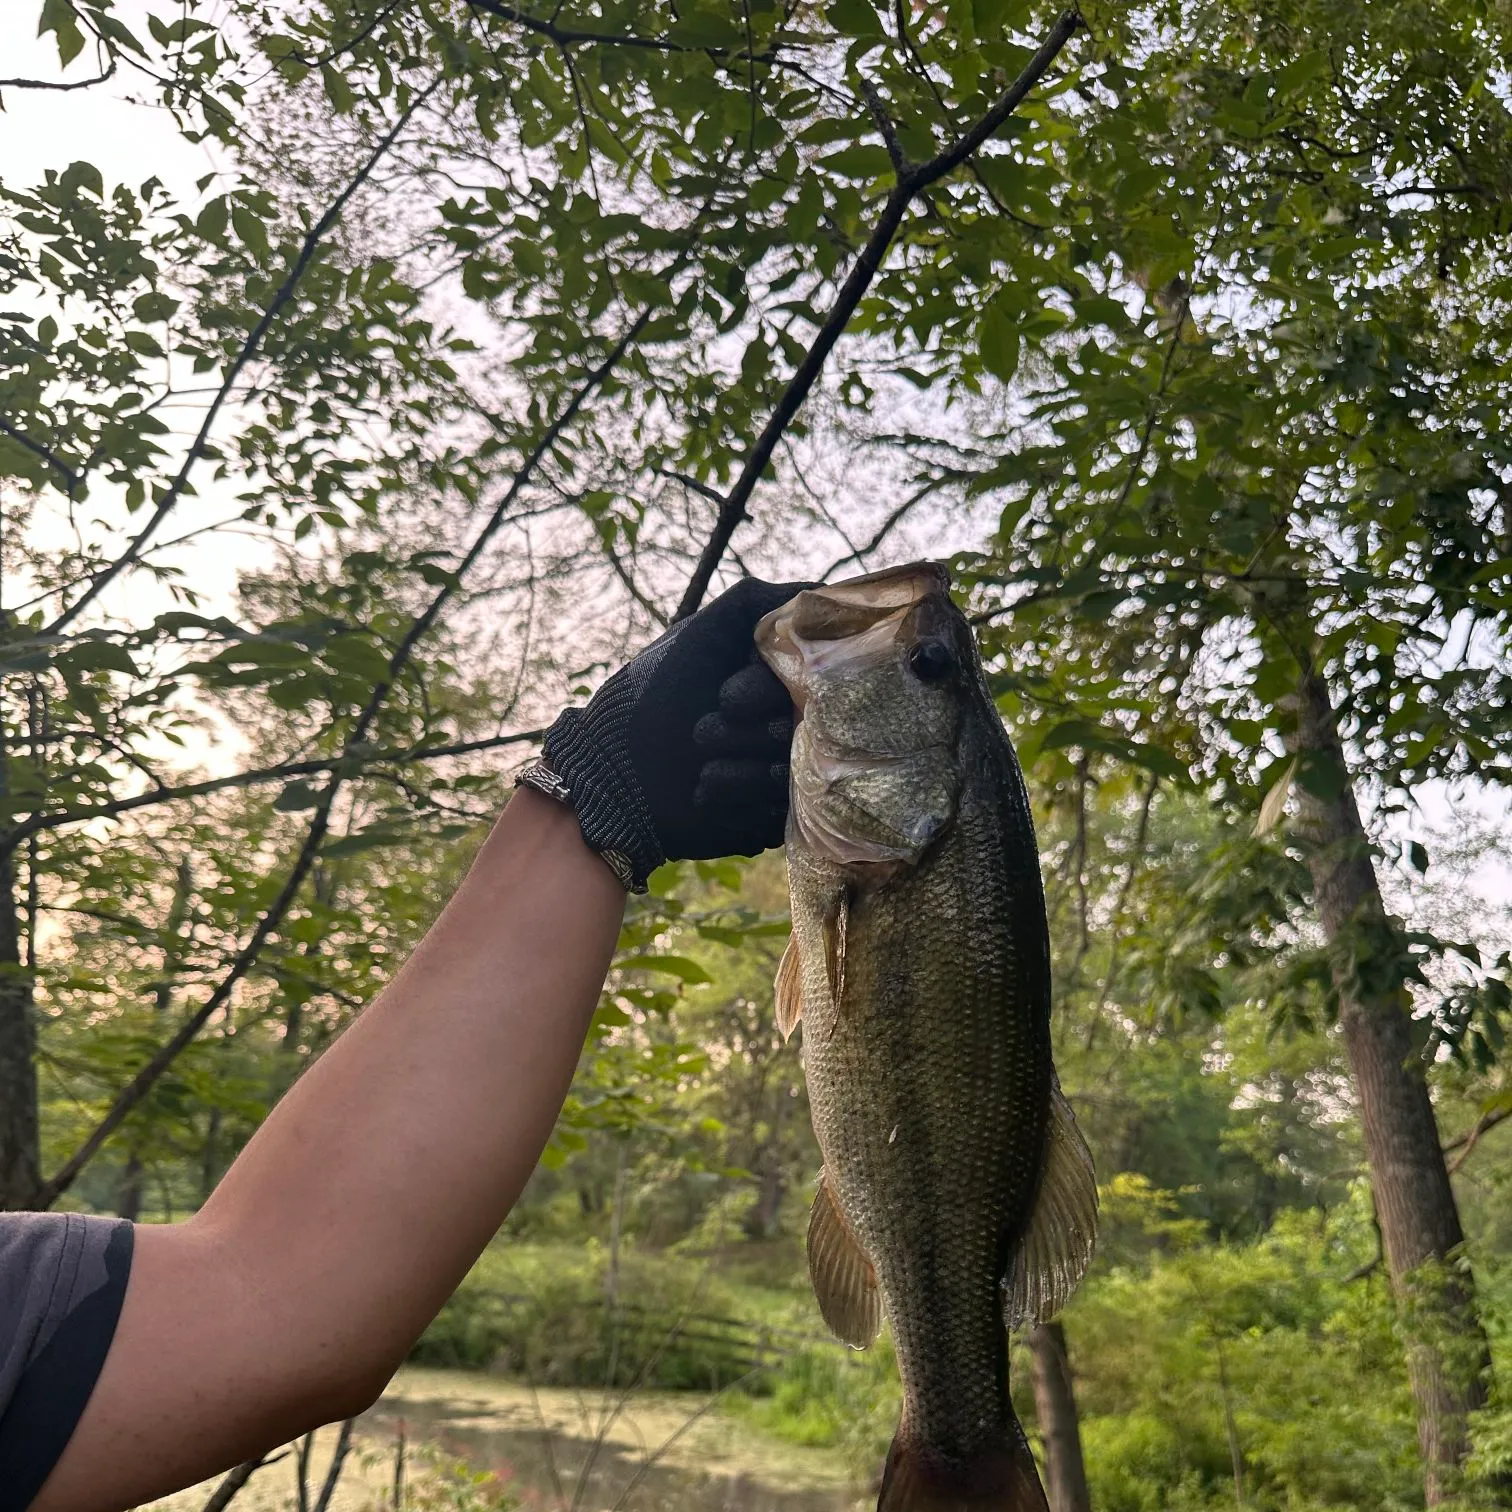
[(538, 775)]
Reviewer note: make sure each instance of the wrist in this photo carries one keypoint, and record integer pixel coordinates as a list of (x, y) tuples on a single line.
[(541, 780)]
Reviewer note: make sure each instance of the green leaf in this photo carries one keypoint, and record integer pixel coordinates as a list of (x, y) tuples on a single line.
[(98, 656), (249, 227), (371, 838), (672, 965), (864, 160), (60, 18), (1321, 774), (854, 18), (212, 219), (998, 342), (337, 88), (296, 796)]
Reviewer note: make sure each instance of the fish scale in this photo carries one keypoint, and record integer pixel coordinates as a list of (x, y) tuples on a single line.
[(920, 969)]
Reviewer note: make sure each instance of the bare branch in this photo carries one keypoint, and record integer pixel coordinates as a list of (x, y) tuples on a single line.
[(1466, 1143), (632, 588), (347, 764), (308, 248), (697, 485), (885, 125), (865, 268), (885, 529), (226, 1492), (58, 84)]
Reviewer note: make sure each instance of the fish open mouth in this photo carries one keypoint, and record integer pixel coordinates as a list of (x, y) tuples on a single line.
[(845, 623)]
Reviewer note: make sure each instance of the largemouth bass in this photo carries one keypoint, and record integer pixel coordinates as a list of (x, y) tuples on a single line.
[(957, 1193)]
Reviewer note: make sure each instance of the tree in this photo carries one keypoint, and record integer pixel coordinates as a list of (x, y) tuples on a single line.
[(501, 325), (1257, 521), (313, 329)]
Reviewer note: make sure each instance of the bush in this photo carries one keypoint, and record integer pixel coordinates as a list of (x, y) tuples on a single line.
[(543, 1314)]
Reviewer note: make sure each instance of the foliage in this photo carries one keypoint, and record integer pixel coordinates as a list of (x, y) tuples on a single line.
[(457, 349), (548, 1315)]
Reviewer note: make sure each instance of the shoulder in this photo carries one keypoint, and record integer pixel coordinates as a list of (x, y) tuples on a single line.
[(62, 1279)]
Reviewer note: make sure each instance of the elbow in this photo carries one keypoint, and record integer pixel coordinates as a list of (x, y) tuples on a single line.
[(361, 1389)]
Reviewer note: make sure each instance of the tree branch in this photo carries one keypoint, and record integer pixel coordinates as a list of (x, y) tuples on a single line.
[(37, 449), (1466, 1143), (99, 78), (565, 36), (885, 529), (230, 1487), (885, 125), (865, 268), (161, 1059), (308, 248), (349, 766)]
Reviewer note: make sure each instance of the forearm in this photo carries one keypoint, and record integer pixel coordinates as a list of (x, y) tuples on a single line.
[(361, 1202), (378, 1178), (368, 1192)]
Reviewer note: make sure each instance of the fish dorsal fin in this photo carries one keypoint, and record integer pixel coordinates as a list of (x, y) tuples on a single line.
[(1057, 1246), (835, 926), (788, 991), (844, 1280)]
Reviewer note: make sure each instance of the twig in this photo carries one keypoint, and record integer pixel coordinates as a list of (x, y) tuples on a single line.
[(99, 78), (566, 37), (225, 1493), (1466, 1143), (302, 1470), (350, 764), (865, 268), (338, 1463), (885, 529), (632, 588), (248, 351)]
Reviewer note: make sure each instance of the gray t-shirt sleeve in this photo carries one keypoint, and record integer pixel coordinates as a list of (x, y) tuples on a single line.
[(62, 1280)]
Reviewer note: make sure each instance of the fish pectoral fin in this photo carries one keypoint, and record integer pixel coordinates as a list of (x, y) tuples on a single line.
[(835, 926), (1057, 1246), (788, 991), (845, 1282)]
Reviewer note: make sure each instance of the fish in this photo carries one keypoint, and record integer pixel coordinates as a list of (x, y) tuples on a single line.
[(957, 1197)]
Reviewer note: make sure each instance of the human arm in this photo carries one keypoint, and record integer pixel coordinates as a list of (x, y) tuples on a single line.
[(365, 1196), (298, 1288)]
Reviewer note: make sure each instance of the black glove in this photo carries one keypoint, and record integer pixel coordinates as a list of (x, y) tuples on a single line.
[(683, 753)]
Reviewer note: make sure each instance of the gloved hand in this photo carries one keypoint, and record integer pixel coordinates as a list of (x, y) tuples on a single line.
[(683, 753)]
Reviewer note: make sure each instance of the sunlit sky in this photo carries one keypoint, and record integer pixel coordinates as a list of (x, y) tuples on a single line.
[(130, 141)]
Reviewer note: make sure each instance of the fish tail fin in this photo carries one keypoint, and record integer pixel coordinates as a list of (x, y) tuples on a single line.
[(1001, 1477)]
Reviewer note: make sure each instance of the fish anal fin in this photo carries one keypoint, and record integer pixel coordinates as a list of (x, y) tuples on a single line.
[(1056, 1247), (845, 1281), (788, 991), (1000, 1476)]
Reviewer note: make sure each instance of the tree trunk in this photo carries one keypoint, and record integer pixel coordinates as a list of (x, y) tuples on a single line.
[(1447, 1358), (760, 1221), (1055, 1407), (20, 1145), (133, 1176)]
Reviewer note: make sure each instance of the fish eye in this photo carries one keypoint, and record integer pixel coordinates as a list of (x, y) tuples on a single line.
[(931, 661)]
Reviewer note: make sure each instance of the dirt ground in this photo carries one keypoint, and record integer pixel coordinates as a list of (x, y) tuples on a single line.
[(685, 1453)]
